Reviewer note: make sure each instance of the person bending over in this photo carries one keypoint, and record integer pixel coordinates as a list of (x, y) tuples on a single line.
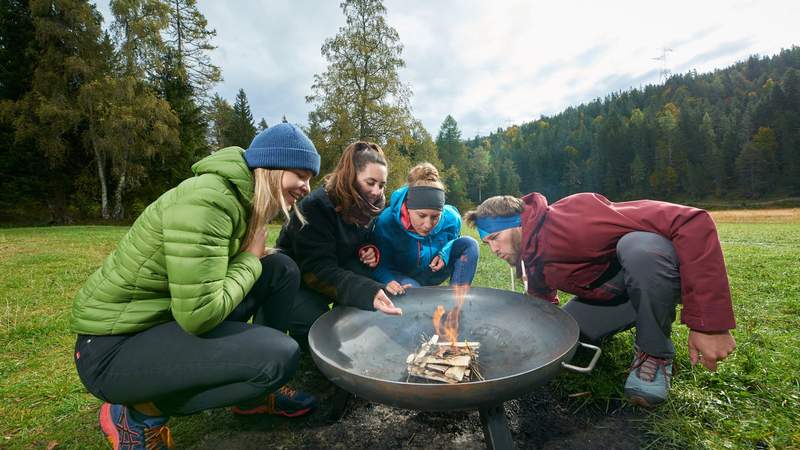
[(628, 264)]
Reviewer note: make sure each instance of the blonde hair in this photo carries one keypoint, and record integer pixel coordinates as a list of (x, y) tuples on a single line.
[(268, 201), (499, 205), (424, 174)]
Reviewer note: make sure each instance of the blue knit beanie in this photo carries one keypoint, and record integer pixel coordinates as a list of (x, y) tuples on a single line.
[(283, 146)]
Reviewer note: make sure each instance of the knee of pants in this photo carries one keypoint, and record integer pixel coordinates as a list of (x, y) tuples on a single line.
[(642, 249), (467, 245), (464, 249), (308, 306), (288, 354), (287, 264), (598, 322), (282, 360)]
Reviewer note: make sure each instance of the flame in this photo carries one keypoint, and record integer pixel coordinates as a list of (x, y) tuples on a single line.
[(450, 330), (437, 319)]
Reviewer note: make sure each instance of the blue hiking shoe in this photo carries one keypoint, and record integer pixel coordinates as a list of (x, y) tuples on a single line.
[(126, 432), (648, 381), (286, 402)]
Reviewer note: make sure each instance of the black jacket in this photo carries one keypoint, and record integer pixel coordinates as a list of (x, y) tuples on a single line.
[(326, 251)]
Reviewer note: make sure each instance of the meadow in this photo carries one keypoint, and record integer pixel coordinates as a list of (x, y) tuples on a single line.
[(753, 401)]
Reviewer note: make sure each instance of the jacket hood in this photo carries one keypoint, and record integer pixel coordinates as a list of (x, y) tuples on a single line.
[(229, 164), (396, 205), (533, 214)]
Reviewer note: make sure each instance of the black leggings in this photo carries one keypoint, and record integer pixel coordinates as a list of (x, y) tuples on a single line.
[(181, 373), (309, 304)]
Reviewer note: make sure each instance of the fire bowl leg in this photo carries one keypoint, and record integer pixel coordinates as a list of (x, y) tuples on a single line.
[(339, 402), (495, 428)]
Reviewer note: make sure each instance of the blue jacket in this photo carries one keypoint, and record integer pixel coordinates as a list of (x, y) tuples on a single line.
[(407, 252)]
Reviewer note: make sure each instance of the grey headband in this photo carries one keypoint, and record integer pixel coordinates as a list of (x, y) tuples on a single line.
[(425, 197)]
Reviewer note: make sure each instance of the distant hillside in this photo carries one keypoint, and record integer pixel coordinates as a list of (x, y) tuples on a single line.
[(730, 134)]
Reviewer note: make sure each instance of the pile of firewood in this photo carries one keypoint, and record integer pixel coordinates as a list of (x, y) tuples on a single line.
[(445, 361)]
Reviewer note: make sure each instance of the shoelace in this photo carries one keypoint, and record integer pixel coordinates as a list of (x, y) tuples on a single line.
[(156, 436), (271, 401), (287, 391), (648, 365)]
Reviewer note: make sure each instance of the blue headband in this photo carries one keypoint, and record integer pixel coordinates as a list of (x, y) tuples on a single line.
[(491, 224)]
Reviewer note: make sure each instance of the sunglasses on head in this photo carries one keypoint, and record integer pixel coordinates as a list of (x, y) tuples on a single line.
[(366, 146)]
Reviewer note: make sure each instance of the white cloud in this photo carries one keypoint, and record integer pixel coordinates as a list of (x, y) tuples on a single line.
[(491, 64)]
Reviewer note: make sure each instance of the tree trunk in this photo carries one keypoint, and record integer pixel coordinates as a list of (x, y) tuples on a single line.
[(57, 205), (179, 30), (119, 211), (101, 173)]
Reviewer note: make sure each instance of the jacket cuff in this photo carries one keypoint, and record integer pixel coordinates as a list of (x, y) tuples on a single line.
[(366, 247), (697, 322), (445, 257), (366, 301)]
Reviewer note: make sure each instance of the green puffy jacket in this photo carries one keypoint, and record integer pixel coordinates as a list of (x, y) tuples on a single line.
[(181, 258)]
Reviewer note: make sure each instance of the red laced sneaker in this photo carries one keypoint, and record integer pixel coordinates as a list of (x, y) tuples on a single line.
[(124, 432), (286, 402), (649, 380)]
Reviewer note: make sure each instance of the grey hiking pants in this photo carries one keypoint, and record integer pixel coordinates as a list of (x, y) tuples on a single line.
[(652, 289)]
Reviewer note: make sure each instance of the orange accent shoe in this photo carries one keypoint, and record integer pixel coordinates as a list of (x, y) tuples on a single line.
[(125, 432), (286, 402)]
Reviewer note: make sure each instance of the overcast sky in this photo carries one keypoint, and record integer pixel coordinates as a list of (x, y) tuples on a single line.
[(494, 63)]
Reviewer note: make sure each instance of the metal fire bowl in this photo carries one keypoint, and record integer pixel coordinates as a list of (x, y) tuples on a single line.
[(523, 344)]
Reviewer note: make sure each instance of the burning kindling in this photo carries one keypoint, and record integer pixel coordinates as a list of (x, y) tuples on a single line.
[(450, 361), (441, 361)]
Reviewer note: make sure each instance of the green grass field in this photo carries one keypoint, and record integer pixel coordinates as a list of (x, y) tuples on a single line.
[(753, 401)]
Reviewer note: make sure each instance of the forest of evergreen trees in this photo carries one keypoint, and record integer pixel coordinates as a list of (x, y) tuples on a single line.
[(97, 122), (730, 134), (94, 123)]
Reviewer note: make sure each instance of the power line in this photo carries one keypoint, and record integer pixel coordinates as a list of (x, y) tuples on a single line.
[(665, 72)]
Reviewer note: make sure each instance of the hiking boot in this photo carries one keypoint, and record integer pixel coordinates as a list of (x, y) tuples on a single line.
[(129, 430), (648, 381), (286, 402)]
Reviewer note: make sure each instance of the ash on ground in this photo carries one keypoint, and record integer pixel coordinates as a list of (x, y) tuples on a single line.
[(538, 420)]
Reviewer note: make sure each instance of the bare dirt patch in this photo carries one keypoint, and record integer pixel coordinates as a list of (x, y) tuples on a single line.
[(539, 420)]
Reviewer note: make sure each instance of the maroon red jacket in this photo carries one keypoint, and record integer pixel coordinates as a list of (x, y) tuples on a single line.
[(570, 243)]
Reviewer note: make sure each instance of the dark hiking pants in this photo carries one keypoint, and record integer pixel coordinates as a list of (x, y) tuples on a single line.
[(181, 373), (309, 304), (651, 280)]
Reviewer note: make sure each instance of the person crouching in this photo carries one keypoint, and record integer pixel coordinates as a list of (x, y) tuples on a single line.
[(629, 265), (419, 237)]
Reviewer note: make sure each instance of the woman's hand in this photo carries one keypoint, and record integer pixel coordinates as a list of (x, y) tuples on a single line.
[(709, 347), (383, 304), (395, 288), (259, 245), (436, 263), (368, 256)]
